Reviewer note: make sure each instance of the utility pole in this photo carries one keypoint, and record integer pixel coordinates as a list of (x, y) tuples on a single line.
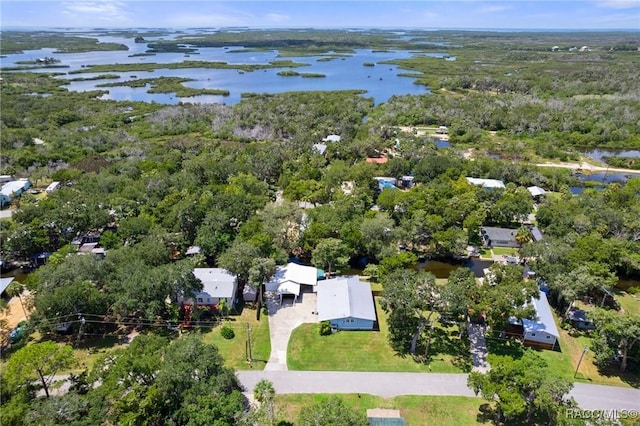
[(82, 321), (249, 355), (579, 361)]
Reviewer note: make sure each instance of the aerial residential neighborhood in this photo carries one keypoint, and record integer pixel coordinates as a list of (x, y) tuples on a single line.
[(429, 227)]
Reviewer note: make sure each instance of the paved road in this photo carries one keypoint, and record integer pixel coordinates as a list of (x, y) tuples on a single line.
[(589, 167), (387, 385)]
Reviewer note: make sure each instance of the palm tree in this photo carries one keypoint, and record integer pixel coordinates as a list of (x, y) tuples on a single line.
[(16, 289), (523, 235)]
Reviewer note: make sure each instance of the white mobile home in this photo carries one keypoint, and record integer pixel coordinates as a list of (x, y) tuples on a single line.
[(52, 187)]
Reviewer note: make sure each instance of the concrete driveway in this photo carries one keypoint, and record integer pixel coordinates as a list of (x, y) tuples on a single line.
[(283, 319)]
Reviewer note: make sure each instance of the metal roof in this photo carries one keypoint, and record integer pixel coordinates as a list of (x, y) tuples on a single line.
[(486, 183), (536, 191), (217, 282), (345, 297), (544, 321), (4, 283)]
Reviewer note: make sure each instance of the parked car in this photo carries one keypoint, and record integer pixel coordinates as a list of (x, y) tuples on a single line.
[(18, 332)]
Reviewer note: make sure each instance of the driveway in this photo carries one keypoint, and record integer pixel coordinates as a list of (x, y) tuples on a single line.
[(388, 385), (283, 319)]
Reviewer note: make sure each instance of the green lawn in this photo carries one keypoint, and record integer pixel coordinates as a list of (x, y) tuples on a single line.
[(416, 410), (629, 302), (370, 350), (563, 363), (509, 251), (234, 350)]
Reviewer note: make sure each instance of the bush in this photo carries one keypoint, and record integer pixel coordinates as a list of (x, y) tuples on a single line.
[(265, 310), (227, 332), (325, 328)]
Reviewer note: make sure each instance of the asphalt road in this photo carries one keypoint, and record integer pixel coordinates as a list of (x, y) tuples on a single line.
[(387, 385)]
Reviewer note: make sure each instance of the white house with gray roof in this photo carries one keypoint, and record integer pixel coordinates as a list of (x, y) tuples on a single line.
[(217, 284), (347, 303)]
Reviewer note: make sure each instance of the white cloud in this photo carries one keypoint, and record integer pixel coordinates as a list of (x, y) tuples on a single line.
[(84, 12), (493, 8), (277, 18), (618, 4)]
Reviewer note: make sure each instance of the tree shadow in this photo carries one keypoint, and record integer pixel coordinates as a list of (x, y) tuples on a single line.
[(486, 414)]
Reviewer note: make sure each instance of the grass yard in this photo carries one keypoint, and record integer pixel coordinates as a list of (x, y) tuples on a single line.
[(234, 350), (563, 363), (370, 350), (629, 302), (416, 410), (508, 251)]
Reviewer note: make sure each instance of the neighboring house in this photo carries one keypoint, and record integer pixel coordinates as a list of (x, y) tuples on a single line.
[(536, 192), (385, 417), (555, 48), (4, 283), (386, 182), (52, 187), (5, 178), (442, 130), (217, 284), (332, 138), (486, 183), (12, 189), (542, 331), (499, 237), (405, 182), (289, 279), (376, 160), (320, 148), (347, 303), (579, 319)]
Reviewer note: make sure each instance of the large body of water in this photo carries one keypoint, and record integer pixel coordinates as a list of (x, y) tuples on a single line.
[(380, 81)]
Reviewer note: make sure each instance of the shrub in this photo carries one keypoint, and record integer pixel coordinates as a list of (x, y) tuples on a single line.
[(325, 328), (265, 310), (227, 332)]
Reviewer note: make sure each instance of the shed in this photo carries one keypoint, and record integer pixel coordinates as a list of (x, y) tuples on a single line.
[(542, 331), (347, 303), (486, 183), (579, 319), (217, 284)]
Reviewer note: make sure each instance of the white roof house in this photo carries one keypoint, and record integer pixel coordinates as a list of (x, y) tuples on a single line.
[(217, 284), (541, 331), (536, 191), (320, 148), (52, 187), (486, 183), (288, 279), (332, 138), (15, 187), (346, 302)]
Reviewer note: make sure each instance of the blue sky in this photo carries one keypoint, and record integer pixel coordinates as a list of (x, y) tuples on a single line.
[(517, 14)]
